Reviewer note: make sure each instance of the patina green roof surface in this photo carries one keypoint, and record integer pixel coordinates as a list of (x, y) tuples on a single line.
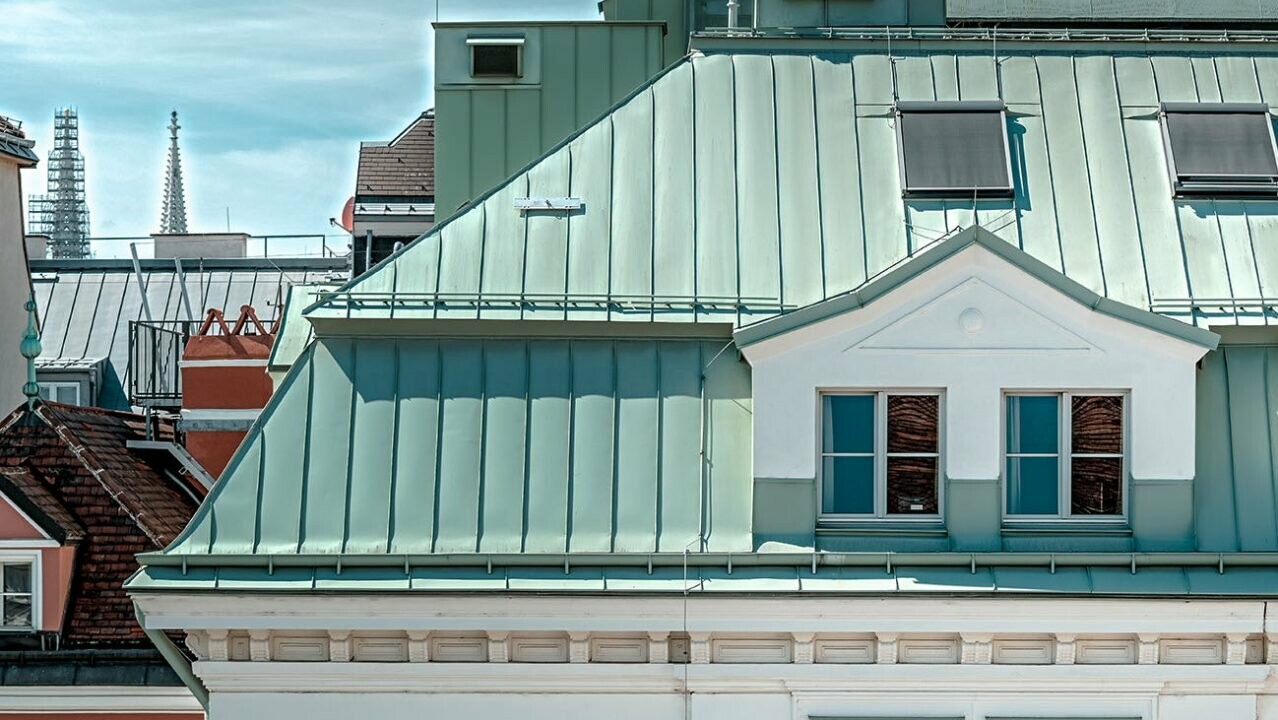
[(731, 187), (900, 579), (741, 183), (463, 446)]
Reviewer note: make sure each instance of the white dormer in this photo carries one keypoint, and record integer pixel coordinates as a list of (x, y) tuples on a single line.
[(973, 360)]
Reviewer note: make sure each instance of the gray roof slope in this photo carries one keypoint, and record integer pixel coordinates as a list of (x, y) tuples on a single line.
[(86, 306), (403, 167)]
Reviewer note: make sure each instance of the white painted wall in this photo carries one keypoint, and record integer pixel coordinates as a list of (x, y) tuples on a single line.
[(15, 287), (974, 326)]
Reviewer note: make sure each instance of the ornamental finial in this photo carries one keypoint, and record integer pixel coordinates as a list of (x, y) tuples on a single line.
[(30, 350)]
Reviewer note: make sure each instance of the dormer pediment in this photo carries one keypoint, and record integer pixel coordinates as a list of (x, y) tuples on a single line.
[(973, 318)]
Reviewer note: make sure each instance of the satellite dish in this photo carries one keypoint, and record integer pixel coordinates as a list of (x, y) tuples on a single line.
[(348, 215)]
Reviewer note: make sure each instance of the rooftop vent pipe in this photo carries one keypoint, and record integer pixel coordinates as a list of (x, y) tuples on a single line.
[(733, 7)]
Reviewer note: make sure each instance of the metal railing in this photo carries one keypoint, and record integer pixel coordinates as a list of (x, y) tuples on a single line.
[(155, 361), (258, 246)]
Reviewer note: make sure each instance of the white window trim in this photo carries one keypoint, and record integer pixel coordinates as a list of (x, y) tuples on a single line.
[(51, 386), (1064, 454), (17, 557), (880, 455), (1224, 185)]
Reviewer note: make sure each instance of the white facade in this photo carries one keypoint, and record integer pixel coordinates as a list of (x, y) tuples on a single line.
[(974, 327), (483, 657)]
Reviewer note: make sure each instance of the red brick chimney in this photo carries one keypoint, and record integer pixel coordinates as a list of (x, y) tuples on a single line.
[(224, 385)]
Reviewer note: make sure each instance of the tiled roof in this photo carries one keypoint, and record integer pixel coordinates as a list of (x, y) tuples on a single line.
[(404, 167), (40, 504), (124, 504)]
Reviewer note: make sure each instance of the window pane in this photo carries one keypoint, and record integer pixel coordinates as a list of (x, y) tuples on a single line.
[(911, 486), (17, 611), (1097, 424), (954, 150), (496, 60), (1033, 423), (68, 394), (1032, 486), (1097, 486), (912, 422), (1221, 143), (17, 578), (849, 424), (847, 485)]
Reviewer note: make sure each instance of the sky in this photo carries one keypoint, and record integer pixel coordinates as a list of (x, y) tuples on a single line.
[(273, 97)]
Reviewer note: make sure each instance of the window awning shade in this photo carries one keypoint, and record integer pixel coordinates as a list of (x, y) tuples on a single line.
[(1221, 148), (951, 149)]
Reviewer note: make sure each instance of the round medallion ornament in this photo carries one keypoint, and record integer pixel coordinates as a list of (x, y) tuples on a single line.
[(971, 320)]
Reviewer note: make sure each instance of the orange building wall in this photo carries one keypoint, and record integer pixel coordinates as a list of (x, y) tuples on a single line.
[(213, 448), (13, 526), (56, 564)]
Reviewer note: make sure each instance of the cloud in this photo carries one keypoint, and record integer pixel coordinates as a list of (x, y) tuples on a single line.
[(274, 96)]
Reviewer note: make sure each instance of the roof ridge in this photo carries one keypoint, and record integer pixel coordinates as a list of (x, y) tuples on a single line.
[(478, 201)]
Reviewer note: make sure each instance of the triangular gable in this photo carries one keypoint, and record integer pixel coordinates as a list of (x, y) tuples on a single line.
[(943, 250), (28, 511)]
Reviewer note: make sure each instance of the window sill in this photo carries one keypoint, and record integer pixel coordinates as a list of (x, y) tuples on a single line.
[(930, 528), (1059, 527)]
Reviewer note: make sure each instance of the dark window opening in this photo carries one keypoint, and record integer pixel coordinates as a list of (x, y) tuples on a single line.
[(953, 149), (1220, 148), (492, 59)]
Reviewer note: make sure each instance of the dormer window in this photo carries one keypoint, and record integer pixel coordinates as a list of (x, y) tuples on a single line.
[(496, 57), (880, 455), (953, 149), (1220, 148), (16, 596), (1064, 456)]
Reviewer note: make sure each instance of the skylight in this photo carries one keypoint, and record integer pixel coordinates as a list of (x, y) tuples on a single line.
[(953, 149), (1220, 148)]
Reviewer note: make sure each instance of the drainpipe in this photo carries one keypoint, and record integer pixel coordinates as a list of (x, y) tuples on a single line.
[(176, 659)]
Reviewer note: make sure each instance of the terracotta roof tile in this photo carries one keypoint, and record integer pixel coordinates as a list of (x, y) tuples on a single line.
[(125, 502)]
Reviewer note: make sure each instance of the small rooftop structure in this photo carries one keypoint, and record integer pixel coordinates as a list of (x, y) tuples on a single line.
[(394, 198), (403, 167), (14, 143)]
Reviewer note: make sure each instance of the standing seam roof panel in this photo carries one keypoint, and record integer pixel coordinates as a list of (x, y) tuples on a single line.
[(728, 214)]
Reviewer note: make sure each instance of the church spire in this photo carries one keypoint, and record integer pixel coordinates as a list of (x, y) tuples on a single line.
[(173, 217)]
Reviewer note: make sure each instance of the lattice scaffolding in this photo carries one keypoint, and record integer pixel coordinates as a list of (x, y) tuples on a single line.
[(62, 213)]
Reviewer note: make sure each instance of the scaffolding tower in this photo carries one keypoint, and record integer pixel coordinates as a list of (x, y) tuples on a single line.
[(61, 213), (173, 215)]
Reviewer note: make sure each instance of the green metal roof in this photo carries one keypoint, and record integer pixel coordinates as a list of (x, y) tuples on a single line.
[(1215, 11), (737, 185), (899, 579), (437, 446), (944, 249), (730, 189)]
